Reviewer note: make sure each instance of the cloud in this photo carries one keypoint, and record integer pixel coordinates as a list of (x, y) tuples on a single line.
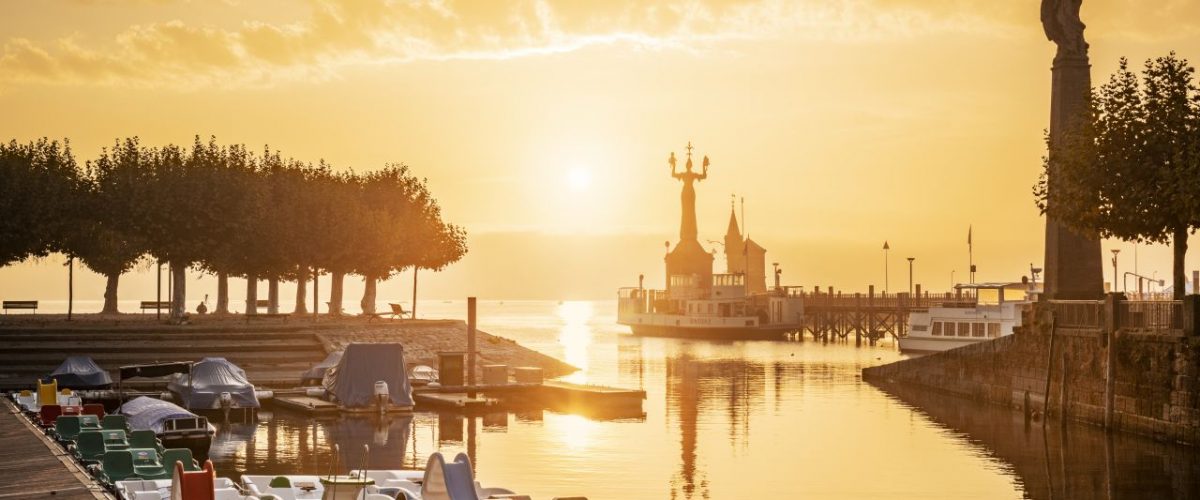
[(340, 33)]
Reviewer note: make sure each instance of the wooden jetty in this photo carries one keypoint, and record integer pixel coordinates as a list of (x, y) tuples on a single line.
[(34, 466), (834, 315), (305, 404)]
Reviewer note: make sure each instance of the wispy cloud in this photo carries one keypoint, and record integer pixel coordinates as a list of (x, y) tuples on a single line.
[(340, 33)]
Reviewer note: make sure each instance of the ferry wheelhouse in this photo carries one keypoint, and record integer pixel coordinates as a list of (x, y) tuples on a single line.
[(989, 311)]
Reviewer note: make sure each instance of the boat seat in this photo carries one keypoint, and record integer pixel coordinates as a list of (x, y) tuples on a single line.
[(114, 422), (89, 446), (47, 393), (115, 440), (199, 485), (47, 414), (181, 455), (116, 465), (145, 438), (66, 428), (280, 482), (89, 422), (449, 480), (146, 464), (96, 409), (71, 409), (147, 495)]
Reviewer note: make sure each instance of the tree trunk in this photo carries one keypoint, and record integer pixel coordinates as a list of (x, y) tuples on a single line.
[(413, 314), (1177, 267), (369, 289), (335, 292), (251, 294), (273, 295), (222, 294), (110, 294), (301, 291), (178, 290)]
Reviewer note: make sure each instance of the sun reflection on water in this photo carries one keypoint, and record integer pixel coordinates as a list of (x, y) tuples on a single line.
[(576, 337)]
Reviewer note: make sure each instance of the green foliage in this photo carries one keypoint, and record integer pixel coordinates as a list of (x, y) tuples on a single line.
[(1129, 168), (37, 181), (102, 236)]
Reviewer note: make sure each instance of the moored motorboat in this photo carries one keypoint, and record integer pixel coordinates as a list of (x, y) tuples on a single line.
[(175, 426), (215, 386), (981, 312)]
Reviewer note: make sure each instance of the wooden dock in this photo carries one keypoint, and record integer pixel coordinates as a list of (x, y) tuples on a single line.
[(305, 404), (33, 466)]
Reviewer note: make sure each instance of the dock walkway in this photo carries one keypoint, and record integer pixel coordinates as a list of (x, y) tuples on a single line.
[(32, 466)]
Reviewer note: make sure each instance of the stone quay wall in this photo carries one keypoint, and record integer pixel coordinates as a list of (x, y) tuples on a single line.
[(1058, 364)]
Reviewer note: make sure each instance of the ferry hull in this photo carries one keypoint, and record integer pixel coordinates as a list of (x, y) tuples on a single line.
[(714, 333), (929, 345)]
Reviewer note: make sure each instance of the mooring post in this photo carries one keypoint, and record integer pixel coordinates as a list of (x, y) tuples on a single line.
[(1062, 392), (858, 321), (471, 345), (1049, 372), (871, 313), (1112, 322)]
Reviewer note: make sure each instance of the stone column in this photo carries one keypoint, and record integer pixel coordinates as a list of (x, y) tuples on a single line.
[(1073, 264)]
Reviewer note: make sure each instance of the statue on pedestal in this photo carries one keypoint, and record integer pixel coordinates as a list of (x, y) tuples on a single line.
[(687, 227), (1060, 20)]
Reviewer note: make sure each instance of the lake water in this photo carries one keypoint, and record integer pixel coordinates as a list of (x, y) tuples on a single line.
[(725, 420)]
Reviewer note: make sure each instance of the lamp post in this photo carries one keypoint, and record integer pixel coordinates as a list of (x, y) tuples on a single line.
[(885, 266), (910, 280), (1115, 251), (952, 278)]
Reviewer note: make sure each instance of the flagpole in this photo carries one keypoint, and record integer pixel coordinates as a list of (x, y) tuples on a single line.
[(970, 255), (885, 267)]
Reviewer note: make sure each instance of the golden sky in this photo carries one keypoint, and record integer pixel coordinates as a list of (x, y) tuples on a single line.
[(544, 126)]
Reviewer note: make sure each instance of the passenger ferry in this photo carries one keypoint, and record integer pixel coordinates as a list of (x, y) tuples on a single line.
[(994, 313), (700, 304)]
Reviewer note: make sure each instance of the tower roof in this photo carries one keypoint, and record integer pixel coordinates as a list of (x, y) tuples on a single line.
[(733, 225)]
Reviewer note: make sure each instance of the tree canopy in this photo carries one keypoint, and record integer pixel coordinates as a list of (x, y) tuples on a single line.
[(1130, 167), (218, 208)]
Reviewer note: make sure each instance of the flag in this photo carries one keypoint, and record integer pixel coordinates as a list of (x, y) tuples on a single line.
[(885, 245), (968, 235)]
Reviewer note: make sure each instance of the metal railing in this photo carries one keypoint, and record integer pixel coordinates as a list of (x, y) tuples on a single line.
[(1078, 313), (1150, 315)]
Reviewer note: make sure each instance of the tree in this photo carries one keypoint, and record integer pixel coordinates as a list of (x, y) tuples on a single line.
[(1130, 166), (37, 181), (101, 236)]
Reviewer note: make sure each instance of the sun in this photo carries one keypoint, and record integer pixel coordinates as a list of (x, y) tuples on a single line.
[(579, 179)]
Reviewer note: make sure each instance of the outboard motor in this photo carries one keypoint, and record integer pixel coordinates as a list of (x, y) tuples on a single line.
[(382, 395), (226, 403)]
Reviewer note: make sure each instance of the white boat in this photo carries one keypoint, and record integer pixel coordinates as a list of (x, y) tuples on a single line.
[(994, 312), (160, 489)]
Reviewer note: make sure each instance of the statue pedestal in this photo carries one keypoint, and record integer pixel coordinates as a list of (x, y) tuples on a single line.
[(1074, 269)]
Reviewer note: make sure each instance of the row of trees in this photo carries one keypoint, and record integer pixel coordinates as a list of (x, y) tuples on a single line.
[(221, 209), (1130, 167)]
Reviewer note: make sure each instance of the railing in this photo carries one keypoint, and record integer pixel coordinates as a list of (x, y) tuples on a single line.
[(902, 300), (1078, 313), (1150, 315)]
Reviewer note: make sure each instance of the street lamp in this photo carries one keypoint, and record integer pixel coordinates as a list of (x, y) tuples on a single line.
[(952, 278), (910, 280), (1115, 251), (885, 266)]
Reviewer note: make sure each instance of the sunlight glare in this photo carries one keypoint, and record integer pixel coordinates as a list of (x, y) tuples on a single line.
[(579, 179), (576, 337)]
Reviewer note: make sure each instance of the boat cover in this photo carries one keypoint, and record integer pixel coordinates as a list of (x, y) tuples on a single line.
[(209, 378), (317, 372), (148, 413), (352, 381), (80, 372)]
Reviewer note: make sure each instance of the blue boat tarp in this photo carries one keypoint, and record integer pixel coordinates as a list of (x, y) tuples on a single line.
[(149, 413), (209, 378), (317, 372), (352, 381), (80, 372)]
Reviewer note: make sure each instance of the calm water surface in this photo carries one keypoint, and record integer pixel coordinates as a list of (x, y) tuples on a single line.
[(725, 421)]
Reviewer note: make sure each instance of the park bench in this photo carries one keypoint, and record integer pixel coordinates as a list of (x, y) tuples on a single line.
[(397, 312), (155, 305), (21, 304), (263, 304)]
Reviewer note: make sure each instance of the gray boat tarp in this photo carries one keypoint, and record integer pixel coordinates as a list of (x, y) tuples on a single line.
[(80, 372), (317, 372), (149, 413), (209, 378), (352, 381)]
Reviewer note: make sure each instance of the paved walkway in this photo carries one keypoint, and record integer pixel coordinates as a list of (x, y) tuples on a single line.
[(35, 467)]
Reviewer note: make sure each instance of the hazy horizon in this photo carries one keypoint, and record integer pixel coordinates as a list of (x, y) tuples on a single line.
[(544, 128)]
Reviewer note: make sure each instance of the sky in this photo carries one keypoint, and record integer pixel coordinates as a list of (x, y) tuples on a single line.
[(543, 127)]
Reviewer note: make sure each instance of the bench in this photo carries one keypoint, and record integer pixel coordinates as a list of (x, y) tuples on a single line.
[(154, 305), (262, 304), (21, 304), (397, 312)]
